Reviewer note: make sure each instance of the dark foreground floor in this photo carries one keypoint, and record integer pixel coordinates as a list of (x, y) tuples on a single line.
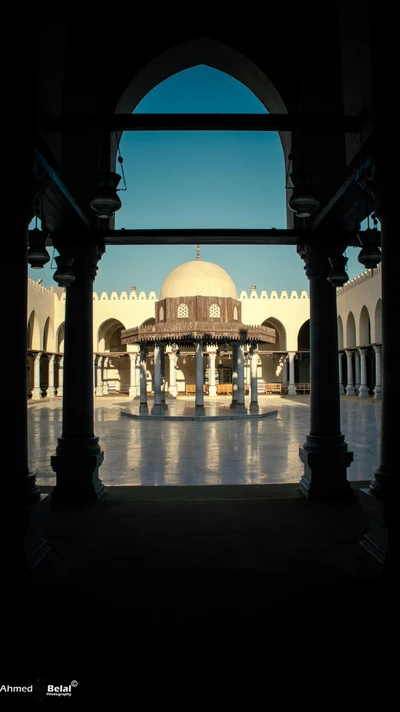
[(145, 568)]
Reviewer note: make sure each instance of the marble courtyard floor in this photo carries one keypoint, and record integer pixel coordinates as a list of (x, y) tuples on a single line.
[(177, 450)]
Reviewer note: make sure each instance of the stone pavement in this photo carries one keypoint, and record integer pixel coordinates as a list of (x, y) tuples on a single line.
[(163, 451)]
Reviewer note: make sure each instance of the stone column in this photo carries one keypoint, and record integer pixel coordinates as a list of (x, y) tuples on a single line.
[(292, 379), (78, 453), (52, 390), (247, 371), (357, 373), (157, 408), (341, 387), (24, 549), (36, 390), (60, 387), (363, 389), (383, 541), (199, 407), (132, 374), (143, 407), (104, 382), (162, 365), (378, 372), (254, 408), (94, 373), (325, 453), (234, 374), (240, 407), (99, 376), (212, 354), (350, 390), (173, 388)]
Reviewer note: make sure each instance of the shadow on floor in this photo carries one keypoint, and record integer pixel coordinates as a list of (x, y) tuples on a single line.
[(204, 563)]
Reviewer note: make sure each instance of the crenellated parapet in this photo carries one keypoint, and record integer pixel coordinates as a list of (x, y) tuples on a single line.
[(132, 296), (363, 277), (152, 296), (39, 287), (253, 295)]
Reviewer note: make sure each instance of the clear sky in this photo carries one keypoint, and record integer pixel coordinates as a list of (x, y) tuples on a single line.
[(201, 179)]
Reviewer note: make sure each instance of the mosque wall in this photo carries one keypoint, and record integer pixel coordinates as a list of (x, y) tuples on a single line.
[(359, 297), (359, 317)]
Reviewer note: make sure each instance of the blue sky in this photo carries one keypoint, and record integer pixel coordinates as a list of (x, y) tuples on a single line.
[(201, 179)]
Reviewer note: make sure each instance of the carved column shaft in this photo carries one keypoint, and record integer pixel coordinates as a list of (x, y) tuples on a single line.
[(254, 380), (157, 409), (325, 454), (199, 402), (292, 378), (78, 454), (378, 372), (143, 407)]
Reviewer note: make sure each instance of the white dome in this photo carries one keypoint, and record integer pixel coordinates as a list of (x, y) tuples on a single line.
[(198, 278)]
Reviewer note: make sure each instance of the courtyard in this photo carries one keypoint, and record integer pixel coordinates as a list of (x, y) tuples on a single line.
[(155, 451)]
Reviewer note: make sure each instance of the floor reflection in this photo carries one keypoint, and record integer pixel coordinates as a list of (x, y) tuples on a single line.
[(167, 453)]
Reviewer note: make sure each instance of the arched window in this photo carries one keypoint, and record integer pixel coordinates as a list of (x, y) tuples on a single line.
[(183, 311), (215, 311), (235, 314), (161, 314)]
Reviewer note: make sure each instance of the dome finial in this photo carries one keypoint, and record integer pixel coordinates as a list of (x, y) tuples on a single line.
[(198, 252)]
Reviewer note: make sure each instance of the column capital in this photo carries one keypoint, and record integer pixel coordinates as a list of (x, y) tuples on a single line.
[(85, 255), (316, 253)]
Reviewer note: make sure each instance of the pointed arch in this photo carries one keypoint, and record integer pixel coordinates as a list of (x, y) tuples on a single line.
[(109, 336), (378, 322), (303, 337), (340, 333), (280, 343), (364, 327), (201, 50), (34, 336), (350, 331)]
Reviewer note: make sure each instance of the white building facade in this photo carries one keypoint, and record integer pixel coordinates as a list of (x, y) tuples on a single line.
[(282, 367)]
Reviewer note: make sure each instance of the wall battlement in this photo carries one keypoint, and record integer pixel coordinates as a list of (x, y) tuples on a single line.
[(152, 296), (39, 287), (363, 277)]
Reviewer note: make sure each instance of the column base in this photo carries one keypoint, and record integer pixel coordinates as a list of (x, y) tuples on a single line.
[(240, 408), (378, 393), (76, 465), (143, 408), (36, 394), (199, 409), (212, 391), (233, 404), (326, 460), (157, 409), (341, 390), (292, 390), (350, 391), (254, 407), (363, 392), (99, 391)]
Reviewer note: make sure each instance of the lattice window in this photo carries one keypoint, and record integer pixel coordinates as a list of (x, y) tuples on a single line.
[(215, 311), (235, 314), (161, 314), (183, 311)]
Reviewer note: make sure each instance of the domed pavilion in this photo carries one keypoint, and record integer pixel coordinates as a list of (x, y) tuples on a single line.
[(198, 315)]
